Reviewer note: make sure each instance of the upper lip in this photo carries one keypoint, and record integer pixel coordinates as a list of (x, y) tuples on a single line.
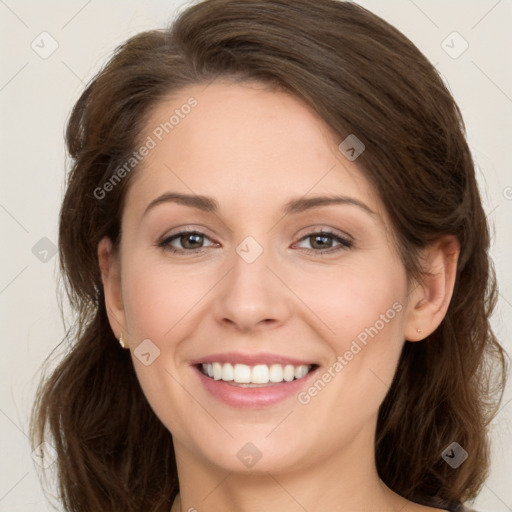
[(250, 359)]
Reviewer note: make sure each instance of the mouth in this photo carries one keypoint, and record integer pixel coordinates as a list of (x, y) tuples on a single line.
[(258, 375), (255, 381)]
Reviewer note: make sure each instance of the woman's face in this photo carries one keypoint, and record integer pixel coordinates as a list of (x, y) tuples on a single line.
[(271, 283)]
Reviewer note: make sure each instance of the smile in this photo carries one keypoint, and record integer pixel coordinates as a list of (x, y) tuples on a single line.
[(255, 381), (257, 375)]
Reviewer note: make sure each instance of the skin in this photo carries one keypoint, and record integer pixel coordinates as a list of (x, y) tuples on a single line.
[(252, 149)]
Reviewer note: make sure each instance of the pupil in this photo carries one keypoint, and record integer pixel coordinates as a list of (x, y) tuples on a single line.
[(320, 237), (188, 237)]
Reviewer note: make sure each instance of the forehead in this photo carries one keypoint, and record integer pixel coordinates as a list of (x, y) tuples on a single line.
[(244, 140)]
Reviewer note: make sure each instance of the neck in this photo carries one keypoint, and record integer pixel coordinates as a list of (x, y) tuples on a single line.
[(346, 480)]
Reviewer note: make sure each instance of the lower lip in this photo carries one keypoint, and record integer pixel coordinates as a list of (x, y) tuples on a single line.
[(257, 397)]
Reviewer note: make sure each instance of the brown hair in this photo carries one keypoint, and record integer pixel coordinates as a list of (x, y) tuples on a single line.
[(362, 76)]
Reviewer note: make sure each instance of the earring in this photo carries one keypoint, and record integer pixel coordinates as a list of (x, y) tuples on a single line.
[(121, 341), (419, 331)]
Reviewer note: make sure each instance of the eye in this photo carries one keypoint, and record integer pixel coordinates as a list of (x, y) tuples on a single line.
[(322, 242), (190, 242)]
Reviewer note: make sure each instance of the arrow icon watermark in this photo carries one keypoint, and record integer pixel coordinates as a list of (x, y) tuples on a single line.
[(146, 352), (351, 147), (454, 455)]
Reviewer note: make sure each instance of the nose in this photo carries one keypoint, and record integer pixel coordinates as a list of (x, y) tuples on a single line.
[(253, 295)]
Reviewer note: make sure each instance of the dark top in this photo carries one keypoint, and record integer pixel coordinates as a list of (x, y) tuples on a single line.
[(454, 506)]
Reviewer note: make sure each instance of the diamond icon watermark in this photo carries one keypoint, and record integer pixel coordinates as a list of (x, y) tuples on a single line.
[(44, 250), (44, 45), (147, 352), (249, 249), (351, 147), (44, 455), (454, 45), (249, 455), (454, 455)]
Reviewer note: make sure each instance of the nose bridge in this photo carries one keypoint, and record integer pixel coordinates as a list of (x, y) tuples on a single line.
[(250, 250), (251, 277), (251, 292)]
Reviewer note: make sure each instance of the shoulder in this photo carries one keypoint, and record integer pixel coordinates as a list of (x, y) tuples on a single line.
[(432, 507), (439, 505), (459, 507), (446, 508), (462, 508)]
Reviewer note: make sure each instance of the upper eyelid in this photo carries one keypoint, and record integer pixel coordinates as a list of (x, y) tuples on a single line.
[(312, 231), (186, 230)]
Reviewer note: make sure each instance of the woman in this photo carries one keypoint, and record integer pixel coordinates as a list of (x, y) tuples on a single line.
[(275, 243)]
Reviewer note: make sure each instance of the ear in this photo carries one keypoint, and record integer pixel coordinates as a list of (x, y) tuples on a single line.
[(111, 278), (429, 300)]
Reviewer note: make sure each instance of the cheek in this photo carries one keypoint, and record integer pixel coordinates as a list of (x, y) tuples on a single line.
[(356, 302), (156, 302), (362, 312), (156, 298)]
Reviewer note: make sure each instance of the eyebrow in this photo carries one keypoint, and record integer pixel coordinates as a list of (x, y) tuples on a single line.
[(294, 206)]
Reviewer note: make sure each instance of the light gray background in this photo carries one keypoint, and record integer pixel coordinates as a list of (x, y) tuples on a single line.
[(36, 96)]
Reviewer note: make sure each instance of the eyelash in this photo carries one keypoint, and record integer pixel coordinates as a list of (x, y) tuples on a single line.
[(345, 243)]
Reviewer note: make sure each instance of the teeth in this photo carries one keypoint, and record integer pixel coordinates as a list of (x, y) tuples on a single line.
[(289, 373), (241, 373), (228, 372), (301, 371), (258, 374), (276, 373), (217, 371)]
